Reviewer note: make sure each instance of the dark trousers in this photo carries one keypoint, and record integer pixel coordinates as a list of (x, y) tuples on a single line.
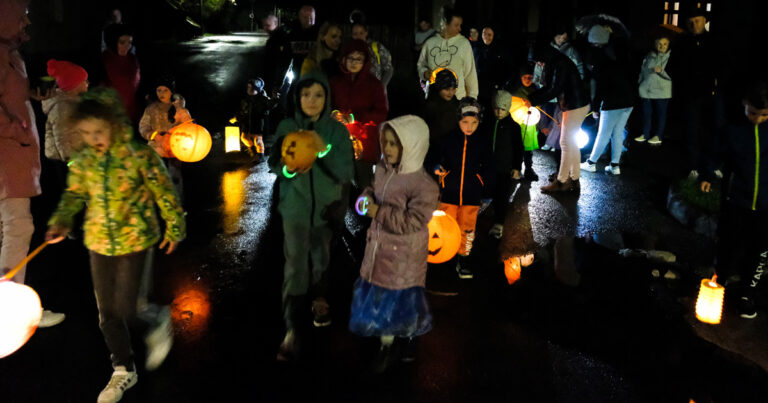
[(528, 160), (657, 107), (116, 282), (742, 246), (701, 117), (501, 196)]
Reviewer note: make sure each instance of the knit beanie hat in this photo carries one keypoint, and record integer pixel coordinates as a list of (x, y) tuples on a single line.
[(166, 80), (68, 75), (526, 69), (502, 100), (598, 35), (469, 106), (445, 79)]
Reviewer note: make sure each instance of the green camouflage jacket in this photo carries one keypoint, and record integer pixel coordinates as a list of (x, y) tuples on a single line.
[(120, 189)]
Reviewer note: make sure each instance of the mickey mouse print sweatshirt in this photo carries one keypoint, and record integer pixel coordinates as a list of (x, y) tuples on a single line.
[(454, 53)]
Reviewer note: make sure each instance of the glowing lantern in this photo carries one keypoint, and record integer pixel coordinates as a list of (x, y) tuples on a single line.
[(433, 76), (232, 137), (709, 304), (190, 310), (190, 142), (361, 205), (512, 269), (301, 148), (444, 237), (365, 141), (582, 138), (526, 116), (20, 312)]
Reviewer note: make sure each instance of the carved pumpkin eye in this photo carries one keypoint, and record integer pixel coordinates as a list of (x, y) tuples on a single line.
[(444, 237)]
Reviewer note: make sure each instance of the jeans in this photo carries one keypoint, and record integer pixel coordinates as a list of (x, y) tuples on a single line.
[(570, 158), (116, 282), (16, 228), (656, 107), (612, 124)]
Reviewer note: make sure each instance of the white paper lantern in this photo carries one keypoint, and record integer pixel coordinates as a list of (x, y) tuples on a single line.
[(20, 312)]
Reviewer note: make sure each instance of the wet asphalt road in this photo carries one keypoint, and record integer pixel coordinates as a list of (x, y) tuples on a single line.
[(582, 325)]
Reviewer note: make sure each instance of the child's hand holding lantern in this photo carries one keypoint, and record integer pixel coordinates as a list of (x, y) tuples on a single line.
[(56, 234)]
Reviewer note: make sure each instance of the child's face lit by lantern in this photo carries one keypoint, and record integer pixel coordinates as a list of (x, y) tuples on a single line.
[(468, 124), (527, 80), (163, 94), (662, 45), (124, 44), (393, 150), (448, 93), (500, 113), (755, 115), (696, 25), (96, 133), (332, 38), (359, 32), (313, 101), (354, 62)]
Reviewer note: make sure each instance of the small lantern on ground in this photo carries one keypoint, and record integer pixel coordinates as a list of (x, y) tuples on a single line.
[(709, 304), (232, 137), (20, 312)]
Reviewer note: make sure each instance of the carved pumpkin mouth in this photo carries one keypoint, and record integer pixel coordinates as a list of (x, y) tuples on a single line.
[(435, 252)]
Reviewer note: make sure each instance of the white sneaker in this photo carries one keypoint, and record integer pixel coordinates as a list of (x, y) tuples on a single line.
[(496, 231), (655, 140), (546, 147), (586, 166), (120, 381), (719, 174), (693, 174), (50, 318), (159, 341), (641, 138), (613, 169)]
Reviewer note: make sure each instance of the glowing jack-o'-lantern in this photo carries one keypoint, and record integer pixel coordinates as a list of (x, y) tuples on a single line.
[(709, 304), (20, 312), (300, 149), (444, 237), (190, 142)]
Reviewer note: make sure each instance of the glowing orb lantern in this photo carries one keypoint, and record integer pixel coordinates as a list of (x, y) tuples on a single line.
[(582, 138), (232, 137), (444, 237), (190, 142), (709, 304), (512, 269), (300, 149), (20, 312), (526, 116)]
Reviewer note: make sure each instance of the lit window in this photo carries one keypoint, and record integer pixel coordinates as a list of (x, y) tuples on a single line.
[(677, 6)]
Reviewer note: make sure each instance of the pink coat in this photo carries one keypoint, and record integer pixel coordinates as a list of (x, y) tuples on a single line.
[(397, 241), (19, 141)]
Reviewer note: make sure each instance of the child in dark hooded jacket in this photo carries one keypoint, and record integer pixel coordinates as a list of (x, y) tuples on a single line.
[(508, 151), (388, 299)]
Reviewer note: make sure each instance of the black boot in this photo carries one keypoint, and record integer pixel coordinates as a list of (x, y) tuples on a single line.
[(408, 349), (383, 358), (463, 268)]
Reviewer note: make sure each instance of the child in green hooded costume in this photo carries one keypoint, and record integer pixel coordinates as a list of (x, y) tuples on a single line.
[(309, 201)]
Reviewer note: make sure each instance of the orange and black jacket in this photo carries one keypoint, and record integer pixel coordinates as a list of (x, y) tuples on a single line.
[(469, 162)]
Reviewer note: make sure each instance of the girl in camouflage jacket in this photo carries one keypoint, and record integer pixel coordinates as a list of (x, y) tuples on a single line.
[(120, 181)]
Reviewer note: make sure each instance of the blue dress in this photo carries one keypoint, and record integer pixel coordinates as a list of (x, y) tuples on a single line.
[(378, 311)]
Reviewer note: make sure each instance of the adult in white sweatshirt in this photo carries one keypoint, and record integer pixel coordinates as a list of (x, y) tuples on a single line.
[(451, 50)]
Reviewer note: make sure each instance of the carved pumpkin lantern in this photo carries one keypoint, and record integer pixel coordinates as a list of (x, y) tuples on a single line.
[(444, 237), (301, 148), (512, 269), (190, 142), (20, 312), (709, 304)]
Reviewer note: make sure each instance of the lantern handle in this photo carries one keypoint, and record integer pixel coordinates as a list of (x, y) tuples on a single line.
[(24, 261), (547, 115)]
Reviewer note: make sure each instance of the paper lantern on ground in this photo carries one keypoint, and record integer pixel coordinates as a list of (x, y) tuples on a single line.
[(512, 269), (300, 149), (20, 312), (709, 304), (190, 142), (231, 138), (444, 237)]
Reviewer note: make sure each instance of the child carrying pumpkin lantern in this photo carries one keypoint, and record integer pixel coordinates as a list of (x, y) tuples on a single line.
[(119, 181), (465, 168), (388, 299), (310, 201)]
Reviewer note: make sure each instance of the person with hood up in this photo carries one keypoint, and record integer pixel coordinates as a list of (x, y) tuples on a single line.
[(121, 183), (464, 165), (310, 201), (60, 137), (388, 298), (450, 50), (561, 79), (19, 147), (359, 97)]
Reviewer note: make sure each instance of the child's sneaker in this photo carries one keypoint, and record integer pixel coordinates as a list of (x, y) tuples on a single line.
[(613, 169), (159, 341), (322, 312), (746, 308), (463, 269), (546, 147), (120, 381), (693, 174), (50, 318), (496, 231), (641, 138), (654, 141), (530, 175), (588, 166)]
